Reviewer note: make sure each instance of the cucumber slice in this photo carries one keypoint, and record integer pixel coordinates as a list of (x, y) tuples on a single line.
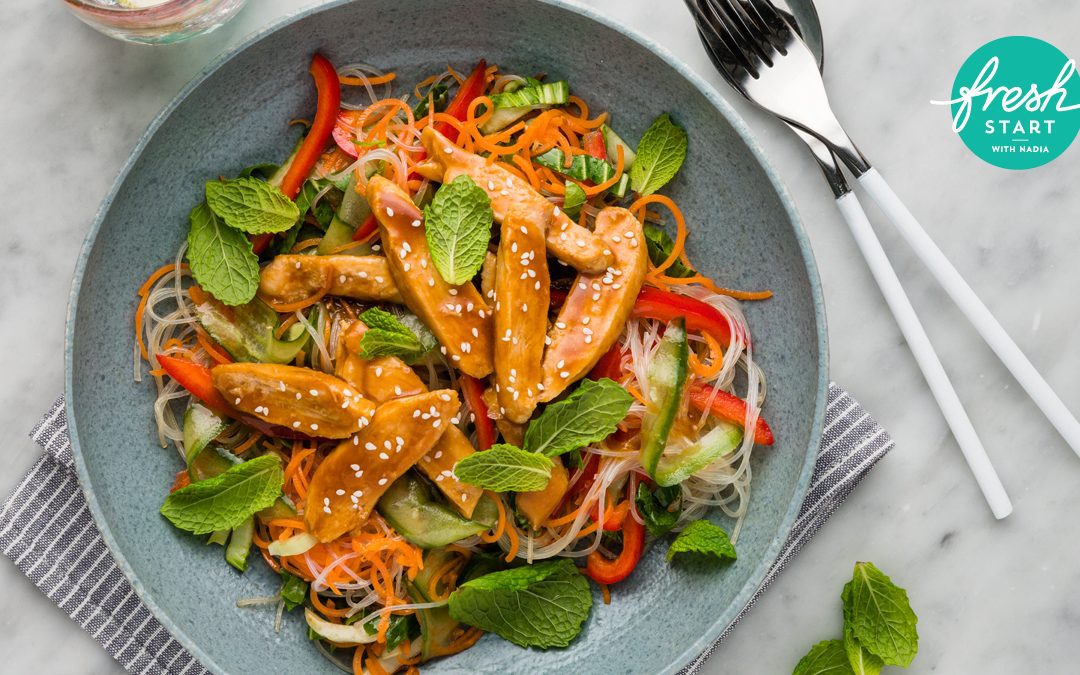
[(667, 379), (613, 143), (584, 167), (719, 441), (211, 462), (294, 545), (575, 198), (410, 507), (219, 537), (247, 332), (236, 553), (550, 93), (336, 632), (504, 117), (437, 628), (201, 425)]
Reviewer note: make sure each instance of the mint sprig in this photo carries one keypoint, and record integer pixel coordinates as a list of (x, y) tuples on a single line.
[(387, 336), (590, 413), (226, 500), (701, 536), (824, 658), (505, 468), (221, 258), (660, 153), (880, 616), (251, 205), (457, 225), (541, 605)]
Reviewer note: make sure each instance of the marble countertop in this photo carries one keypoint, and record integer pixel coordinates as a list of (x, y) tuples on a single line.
[(992, 597)]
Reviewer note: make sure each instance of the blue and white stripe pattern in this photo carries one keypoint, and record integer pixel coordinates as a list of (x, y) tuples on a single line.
[(47, 530)]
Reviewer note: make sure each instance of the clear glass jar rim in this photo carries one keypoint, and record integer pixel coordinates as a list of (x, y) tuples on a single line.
[(165, 9)]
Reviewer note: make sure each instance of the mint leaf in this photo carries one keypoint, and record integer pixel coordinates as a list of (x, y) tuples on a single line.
[(221, 258), (879, 616), (701, 536), (660, 153), (660, 244), (387, 336), (457, 224), (589, 414), (862, 662), (226, 500), (294, 590), (824, 658), (250, 205), (323, 211), (541, 605), (575, 198), (505, 468), (653, 507)]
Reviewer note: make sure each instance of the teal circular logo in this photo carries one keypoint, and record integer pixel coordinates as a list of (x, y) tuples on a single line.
[(1016, 102)]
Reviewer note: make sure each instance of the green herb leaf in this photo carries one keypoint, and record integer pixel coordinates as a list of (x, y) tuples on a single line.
[(221, 258), (862, 662), (660, 244), (505, 468), (458, 228), (589, 414), (824, 658), (323, 211), (653, 507), (226, 500), (387, 336), (294, 590), (541, 605), (264, 171), (880, 616), (575, 199), (660, 153), (251, 205), (701, 536), (437, 96)]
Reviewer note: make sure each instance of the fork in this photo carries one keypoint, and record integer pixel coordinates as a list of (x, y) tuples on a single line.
[(759, 52)]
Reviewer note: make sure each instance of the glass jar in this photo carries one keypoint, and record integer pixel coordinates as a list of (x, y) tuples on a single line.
[(154, 22)]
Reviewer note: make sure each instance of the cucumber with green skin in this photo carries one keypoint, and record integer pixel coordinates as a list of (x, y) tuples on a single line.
[(673, 469), (667, 380), (549, 93), (201, 425), (236, 553), (584, 167), (247, 332), (612, 143), (428, 522)]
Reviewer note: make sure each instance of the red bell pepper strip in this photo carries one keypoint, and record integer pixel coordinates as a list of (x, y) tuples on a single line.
[(604, 571), (609, 365), (458, 108), (326, 111), (729, 408), (472, 390), (196, 379), (558, 298), (345, 131), (653, 303), (594, 144), (613, 515), (366, 229)]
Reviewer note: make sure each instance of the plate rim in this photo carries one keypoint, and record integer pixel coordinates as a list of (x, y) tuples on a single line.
[(757, 576)]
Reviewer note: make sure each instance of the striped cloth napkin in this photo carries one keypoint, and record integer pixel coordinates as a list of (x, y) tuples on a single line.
[(47, 530)]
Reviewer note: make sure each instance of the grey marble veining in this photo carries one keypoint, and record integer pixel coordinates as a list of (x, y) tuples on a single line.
[(992, 597)]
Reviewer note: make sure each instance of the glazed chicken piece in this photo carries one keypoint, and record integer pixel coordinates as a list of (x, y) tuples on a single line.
[(512, 432), (387, 378), (598, 305), (458, 316), (300, 399), (538, 506), (292, 278), (522, 292), (566, 240), (348, 483)]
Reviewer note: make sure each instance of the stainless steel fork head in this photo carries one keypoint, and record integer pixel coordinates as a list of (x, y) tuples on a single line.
[(758, 51)]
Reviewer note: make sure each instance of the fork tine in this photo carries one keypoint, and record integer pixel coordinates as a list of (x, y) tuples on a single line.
[(718, 36), (744, 33), (737, 38), (772, 21), (756, 33), (721, 58)]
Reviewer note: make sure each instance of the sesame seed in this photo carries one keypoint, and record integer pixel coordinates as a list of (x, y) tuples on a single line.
[(387, 444), (445, 397), (431, 281), (524, 307), (379, 280), (423, 263), (344, 404), (326, 500), (513, 247), (455, 420), (313, 392), (406, 267), (560, 364), (376, 247), (587, 331), (367, 446), (356, 440), (616, 238), (389, 211), (453, 291), (556, 212), (416, 223), (536, 286), (629, 234), (314, 427), (455, 357), (297, 264), (539, 386), (298, 395), (585, 320), (588, 339), (359, 474), (547, 340), (448, 150), (326, 509), (358, 493), (524, 230), (363, 275), (438, 479), (436, 423), (596, 296), (347, 392), (378, 371), (415, 414), (560, 324), (503, 193), (296, 425), (339, 492), (475, 332), (237, 401), (382, 481), (481, 313), (343, 278), (564, 375), (581, 243), (397, 390), (383, 455), (464, 497)]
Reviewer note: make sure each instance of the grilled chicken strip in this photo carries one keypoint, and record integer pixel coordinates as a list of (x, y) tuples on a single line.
[(387, 378), (292, 278), (457, 315), (598, 305), (522, 292), (566, 240), (301, 399), (348, 483)]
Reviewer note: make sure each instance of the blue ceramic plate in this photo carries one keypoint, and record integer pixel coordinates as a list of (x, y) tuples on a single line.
[(745, 233)]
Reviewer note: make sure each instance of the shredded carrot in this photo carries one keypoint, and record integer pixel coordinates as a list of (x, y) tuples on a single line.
[(289, 321), (307, 243), (358, 660), (197, 294), (207, 343), (716, 359), (500, 526), (606, 592), (283, 307), (144, 292), (246, 445), (373, 666), (361, 81), (515, 541)]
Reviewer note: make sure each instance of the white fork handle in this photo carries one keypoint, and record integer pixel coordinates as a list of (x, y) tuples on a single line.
[(973, 308), (925, 356)]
